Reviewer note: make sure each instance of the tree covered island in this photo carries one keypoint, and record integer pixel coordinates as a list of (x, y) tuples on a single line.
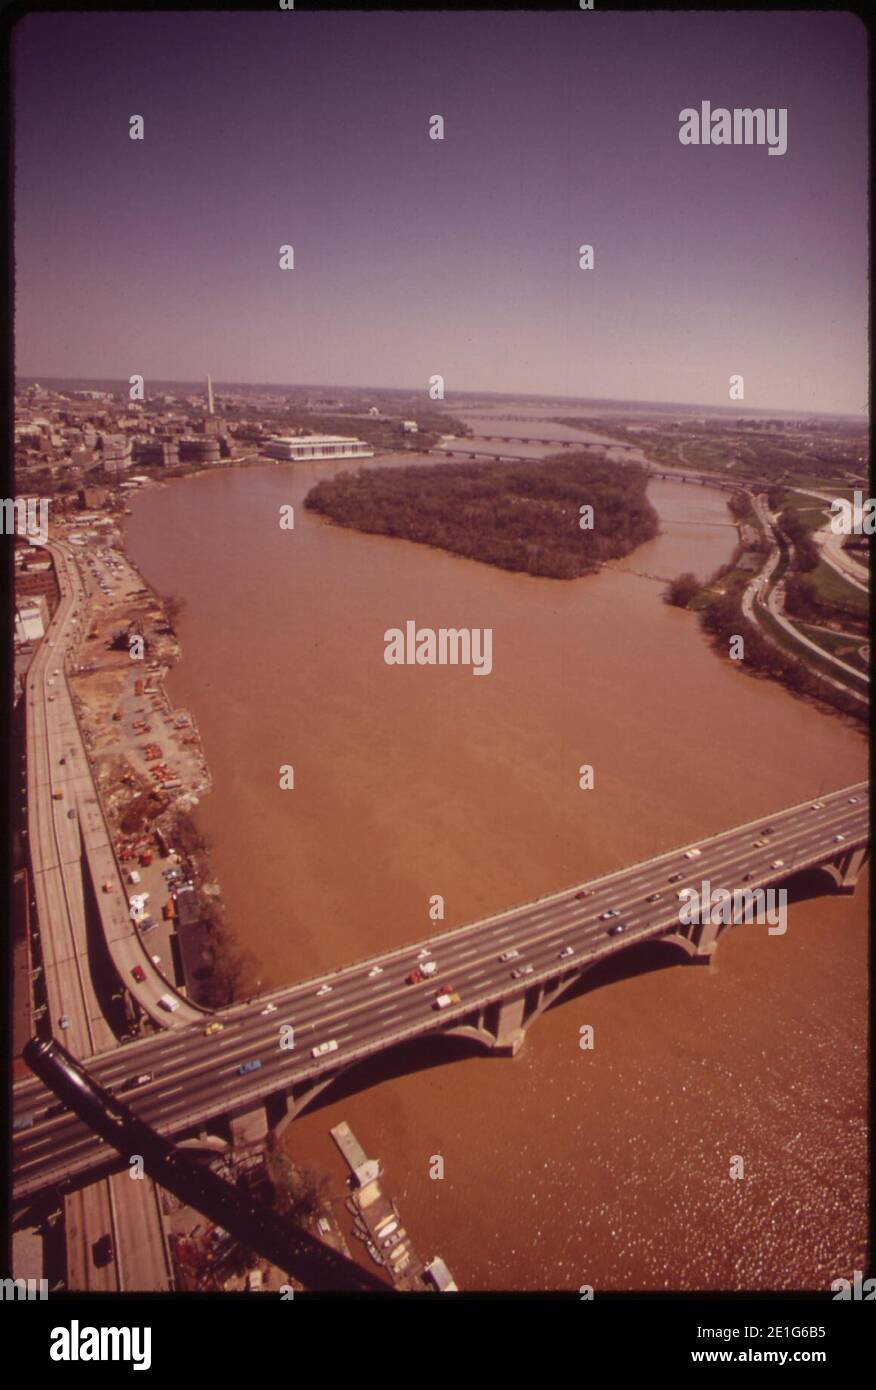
[(523, 516)]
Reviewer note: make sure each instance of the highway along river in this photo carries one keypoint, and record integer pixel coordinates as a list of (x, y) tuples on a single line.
[(562, 1167)]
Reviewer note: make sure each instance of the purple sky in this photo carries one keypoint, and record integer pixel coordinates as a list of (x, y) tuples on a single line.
[(414, 256)]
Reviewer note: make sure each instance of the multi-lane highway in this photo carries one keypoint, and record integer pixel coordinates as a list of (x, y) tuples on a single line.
[(69, 845), (190, 1076), (70, 842)]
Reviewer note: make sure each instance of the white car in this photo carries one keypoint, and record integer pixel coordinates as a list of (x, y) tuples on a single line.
[(817, 806), (168, 1002), (269, 1009), (566, 951), (322, 1048), (509, 955), (156, 960), (853, 800), (375, 971), (839, 838), (421, 955), (692, 853), (777, 864), (324, 989)]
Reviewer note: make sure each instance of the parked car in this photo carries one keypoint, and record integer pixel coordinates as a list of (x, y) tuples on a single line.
[(139, 974)]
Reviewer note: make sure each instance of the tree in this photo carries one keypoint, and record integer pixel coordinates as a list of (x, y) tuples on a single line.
[(682, 590), (174, 607)]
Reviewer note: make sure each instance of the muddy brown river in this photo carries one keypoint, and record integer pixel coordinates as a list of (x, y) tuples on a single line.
[(561, 1167)]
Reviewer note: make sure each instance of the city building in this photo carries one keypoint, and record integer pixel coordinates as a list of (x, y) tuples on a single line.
[(410, 426), (31, 616), (316, 446)]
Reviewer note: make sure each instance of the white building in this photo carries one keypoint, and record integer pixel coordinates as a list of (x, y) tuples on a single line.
[(316, 446), (410, 426), (29, 625)]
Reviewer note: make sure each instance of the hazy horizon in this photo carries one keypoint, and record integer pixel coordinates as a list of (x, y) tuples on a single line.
[(456, 257)]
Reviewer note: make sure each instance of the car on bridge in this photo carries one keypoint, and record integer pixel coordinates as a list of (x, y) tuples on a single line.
[(322, 1048), (375, 971), (839, 837), (63, 1021), (853, 800), (674, 878), (817, 806), (653, 897), (269, 1009), (692, 853), (521, 971), (142, 1079), (324, 989), (777, 864), (422, 972), (168, 1002), (759, 844), (746, 878), (616, 928), (509, 955), (612, 912), (566, 952), (446, 996), (252, 1065), (585, 893), (214, 1027)]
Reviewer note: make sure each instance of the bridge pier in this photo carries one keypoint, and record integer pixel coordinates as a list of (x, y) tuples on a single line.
[(844, 869), (698, 940), (249, 1127)]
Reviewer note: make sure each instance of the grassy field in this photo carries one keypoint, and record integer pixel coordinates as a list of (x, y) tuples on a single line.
[(806, 655), (839, 644), (832, 586)]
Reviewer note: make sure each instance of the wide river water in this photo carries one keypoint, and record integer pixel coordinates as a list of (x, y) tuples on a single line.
[(562, 1167)]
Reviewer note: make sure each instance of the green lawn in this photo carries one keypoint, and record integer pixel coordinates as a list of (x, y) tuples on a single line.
[(832, 586)]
